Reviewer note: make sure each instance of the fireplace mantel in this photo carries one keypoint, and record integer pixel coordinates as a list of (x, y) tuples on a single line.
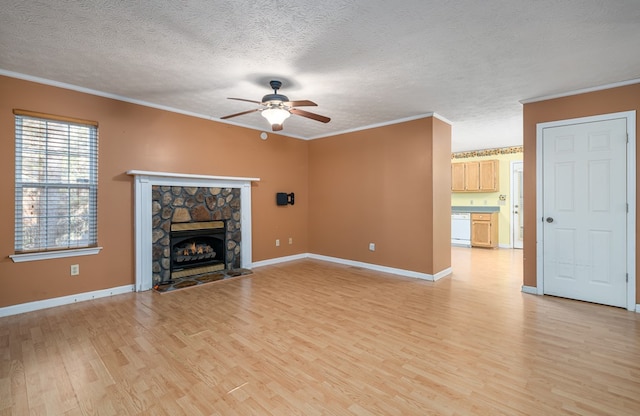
[(143, 183)]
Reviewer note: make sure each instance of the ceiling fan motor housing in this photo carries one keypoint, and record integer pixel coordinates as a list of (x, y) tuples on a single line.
[(275, 97), (275, 85)]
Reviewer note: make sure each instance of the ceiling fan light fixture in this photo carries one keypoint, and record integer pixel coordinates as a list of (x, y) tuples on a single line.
[(276, 108), (275, 116)]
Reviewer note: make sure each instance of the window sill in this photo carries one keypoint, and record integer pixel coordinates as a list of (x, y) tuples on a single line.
[(45, 255)]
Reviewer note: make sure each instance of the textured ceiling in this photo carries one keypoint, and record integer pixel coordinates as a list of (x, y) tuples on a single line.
[(364, 62)]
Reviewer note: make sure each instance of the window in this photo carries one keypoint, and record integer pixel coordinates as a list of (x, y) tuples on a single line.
[(56, 183)]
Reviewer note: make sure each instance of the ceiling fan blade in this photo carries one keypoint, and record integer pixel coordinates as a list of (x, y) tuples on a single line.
[(239, 114), (276, 127), (244, 99), (300, 103), (312, 116)]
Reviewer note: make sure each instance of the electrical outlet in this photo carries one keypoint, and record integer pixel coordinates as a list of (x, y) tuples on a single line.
[(471, 202), (75, 269), (290, 240), (372, 246), (485, 202), (277, 243)]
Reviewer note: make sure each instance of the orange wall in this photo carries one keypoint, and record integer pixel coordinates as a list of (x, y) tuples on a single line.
[(377, 186), (441, 195), (370, 186), (613, 100), (142, 138)]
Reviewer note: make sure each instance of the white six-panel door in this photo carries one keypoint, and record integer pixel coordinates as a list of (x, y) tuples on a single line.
[(585, 211)]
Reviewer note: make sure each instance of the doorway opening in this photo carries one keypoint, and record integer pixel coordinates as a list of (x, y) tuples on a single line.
[(517, 204)]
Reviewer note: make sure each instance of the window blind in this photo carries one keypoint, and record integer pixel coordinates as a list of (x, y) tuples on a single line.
[(56, 183)]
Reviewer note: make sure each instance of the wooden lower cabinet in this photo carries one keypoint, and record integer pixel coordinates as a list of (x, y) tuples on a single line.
[(484, 230)]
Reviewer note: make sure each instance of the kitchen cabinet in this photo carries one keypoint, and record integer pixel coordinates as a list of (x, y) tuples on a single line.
[(481, 176), (484, 229), (472, 176), (457, 177), (488, 172)]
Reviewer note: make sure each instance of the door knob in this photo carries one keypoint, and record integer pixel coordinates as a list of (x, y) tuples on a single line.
[(549, 220)]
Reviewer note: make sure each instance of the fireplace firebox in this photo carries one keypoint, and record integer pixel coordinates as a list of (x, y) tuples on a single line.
[(197, 248)]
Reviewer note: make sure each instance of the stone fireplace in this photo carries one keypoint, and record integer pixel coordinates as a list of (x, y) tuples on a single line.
[(196, 230), (166, 201)]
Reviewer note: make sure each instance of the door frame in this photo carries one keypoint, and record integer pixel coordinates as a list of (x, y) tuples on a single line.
[(630, 117), (514, 201)]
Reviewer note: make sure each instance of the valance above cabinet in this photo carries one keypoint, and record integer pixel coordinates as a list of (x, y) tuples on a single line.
[(481, 176)]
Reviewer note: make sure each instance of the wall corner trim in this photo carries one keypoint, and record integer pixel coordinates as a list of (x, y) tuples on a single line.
[(441, 118), (376, 267), (532, 290), (443, 273), (370, 266), (64, 300)]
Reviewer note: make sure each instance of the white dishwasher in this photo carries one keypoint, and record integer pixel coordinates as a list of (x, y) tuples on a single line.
[(461, 229)]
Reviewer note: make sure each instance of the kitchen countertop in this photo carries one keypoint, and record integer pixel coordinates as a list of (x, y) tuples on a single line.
[(475, 208)]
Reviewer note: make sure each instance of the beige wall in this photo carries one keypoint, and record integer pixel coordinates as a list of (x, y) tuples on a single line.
[(388, 173), (376, 186), (479, 198), (613, 100)]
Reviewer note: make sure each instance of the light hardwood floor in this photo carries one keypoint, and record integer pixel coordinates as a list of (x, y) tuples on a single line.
[(315, 338)]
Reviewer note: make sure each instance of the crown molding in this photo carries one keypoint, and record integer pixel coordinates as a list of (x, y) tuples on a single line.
[(103, 94), (580, 91), (383, 124), (90, 91)]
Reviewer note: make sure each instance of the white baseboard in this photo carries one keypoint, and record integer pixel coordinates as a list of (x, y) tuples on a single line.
[(64, 300), (277, 260), (443, 273), (370, 266), (505, 246), (638, 308), (392, 270)]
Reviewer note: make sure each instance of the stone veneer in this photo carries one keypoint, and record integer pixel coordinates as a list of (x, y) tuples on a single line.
[(177, 204)]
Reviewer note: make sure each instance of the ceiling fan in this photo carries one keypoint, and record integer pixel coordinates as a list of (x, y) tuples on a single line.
[(276, 108)]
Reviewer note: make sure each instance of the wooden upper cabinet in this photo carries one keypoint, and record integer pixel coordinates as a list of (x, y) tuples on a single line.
[(475, 176), (457, 177), (488, 175)]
